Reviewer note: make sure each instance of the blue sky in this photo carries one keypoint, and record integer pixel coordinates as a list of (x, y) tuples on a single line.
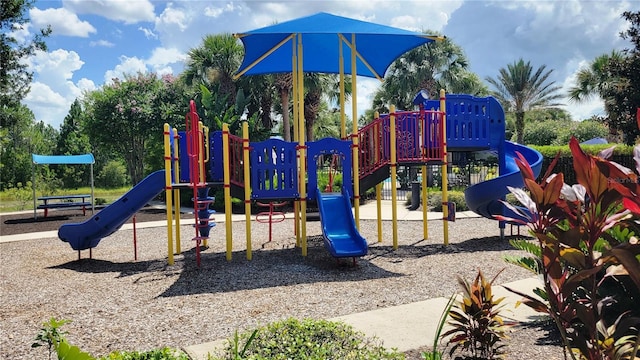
[(94, 41)]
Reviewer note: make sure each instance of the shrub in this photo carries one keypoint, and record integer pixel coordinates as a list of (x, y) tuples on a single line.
[(477, 329), (590, 260), (113, 175), (158, 354), (307, 339), (457, 197)]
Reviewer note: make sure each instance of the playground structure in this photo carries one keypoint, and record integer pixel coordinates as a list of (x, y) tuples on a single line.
[(271, 171)]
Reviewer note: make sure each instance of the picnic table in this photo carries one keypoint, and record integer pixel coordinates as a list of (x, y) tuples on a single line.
[(64, 201)]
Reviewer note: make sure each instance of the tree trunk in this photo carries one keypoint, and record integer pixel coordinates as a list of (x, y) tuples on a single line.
[(286, 122), (520, 127)]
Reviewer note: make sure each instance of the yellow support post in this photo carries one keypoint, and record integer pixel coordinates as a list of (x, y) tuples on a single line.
[(247, 184), (201, 160), (294, 83), (354, 121), (343, 115), (302, 152), (227, 189), (445, 175), (168, 192), (394, 174), (176, 192)]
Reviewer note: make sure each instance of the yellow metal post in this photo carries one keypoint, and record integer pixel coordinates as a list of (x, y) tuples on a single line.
[(176, 192), (295, 85), (247, 184), (301, 151), (201, 160), (168, 192), (445, 175), (354, 134), (394, 174), (227, 189), (343, 115)]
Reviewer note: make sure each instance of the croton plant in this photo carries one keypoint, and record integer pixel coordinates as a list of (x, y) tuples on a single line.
[(589, 252)]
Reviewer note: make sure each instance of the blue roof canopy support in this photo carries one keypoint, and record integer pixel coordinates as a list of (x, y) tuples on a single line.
[(270, 49), (84, 159)]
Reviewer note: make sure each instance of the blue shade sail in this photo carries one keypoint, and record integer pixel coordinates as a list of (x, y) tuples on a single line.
[(270, 49)]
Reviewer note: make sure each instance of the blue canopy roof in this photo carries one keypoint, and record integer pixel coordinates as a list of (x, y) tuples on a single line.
[(270, 49), (63, 159)]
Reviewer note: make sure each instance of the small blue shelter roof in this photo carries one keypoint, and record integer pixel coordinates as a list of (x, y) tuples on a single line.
[(63, 159)]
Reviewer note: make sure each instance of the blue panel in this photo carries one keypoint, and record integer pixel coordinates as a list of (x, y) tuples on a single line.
[(183, 156), (216, 159), (274, 171), (328, 146)]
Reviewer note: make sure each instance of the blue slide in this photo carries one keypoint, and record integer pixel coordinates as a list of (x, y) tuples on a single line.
[(87, 235), (341, 238), (484, 198)]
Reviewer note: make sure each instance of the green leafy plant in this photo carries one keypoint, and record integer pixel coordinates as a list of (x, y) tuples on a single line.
[(477, 328), (165, 353), (589, 270), (50, 335), (306, 339), (435, 354)]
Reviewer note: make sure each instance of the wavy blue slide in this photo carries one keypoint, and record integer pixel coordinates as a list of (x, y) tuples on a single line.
[(484, 198), (87, 235), (341, 238)]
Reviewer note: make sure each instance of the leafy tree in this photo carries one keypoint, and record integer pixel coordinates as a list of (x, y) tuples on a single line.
[(434, 66), (135, 115), (73, 141), (624, 99), (519, 88), (15, 78), (594, 80)]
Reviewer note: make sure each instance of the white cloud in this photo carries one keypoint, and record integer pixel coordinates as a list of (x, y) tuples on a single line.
[(101, 43), (62, 21), (149, 34), (53, 90), (20, 32), (162, 56), (127, 66), (174, 18), (215, 11), (129, 12)]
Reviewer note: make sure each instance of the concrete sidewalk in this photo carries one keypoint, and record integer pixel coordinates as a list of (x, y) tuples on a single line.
[(408, 326)]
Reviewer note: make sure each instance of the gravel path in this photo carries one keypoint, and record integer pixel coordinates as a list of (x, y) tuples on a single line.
[(116, 303)]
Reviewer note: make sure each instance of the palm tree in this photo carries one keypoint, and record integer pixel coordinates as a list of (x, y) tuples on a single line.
[(434, 66), (214, 63), (318, 88), (594, 80), (283, 83), (520, 89)]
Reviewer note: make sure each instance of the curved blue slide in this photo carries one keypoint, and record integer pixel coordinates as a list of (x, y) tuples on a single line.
[(484, 198), (341, 238), (87, 235)]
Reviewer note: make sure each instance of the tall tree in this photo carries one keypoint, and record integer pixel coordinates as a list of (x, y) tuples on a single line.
[(284, 84), (73, 141), (437, 65), (134, 116), (15, 77), (624, 99), (318, 88), (519, 88), (594, 80)]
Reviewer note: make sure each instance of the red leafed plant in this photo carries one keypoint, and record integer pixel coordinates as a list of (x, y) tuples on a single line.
[(590, 264)]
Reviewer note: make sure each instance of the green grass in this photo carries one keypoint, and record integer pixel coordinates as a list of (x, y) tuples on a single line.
[(22, 199)]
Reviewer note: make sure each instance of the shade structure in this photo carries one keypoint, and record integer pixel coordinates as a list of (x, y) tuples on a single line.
[(82, 159), (270, 49)]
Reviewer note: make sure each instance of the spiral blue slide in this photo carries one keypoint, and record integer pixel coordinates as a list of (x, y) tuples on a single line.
[(341, 237), (87, 235), (484, 198)]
